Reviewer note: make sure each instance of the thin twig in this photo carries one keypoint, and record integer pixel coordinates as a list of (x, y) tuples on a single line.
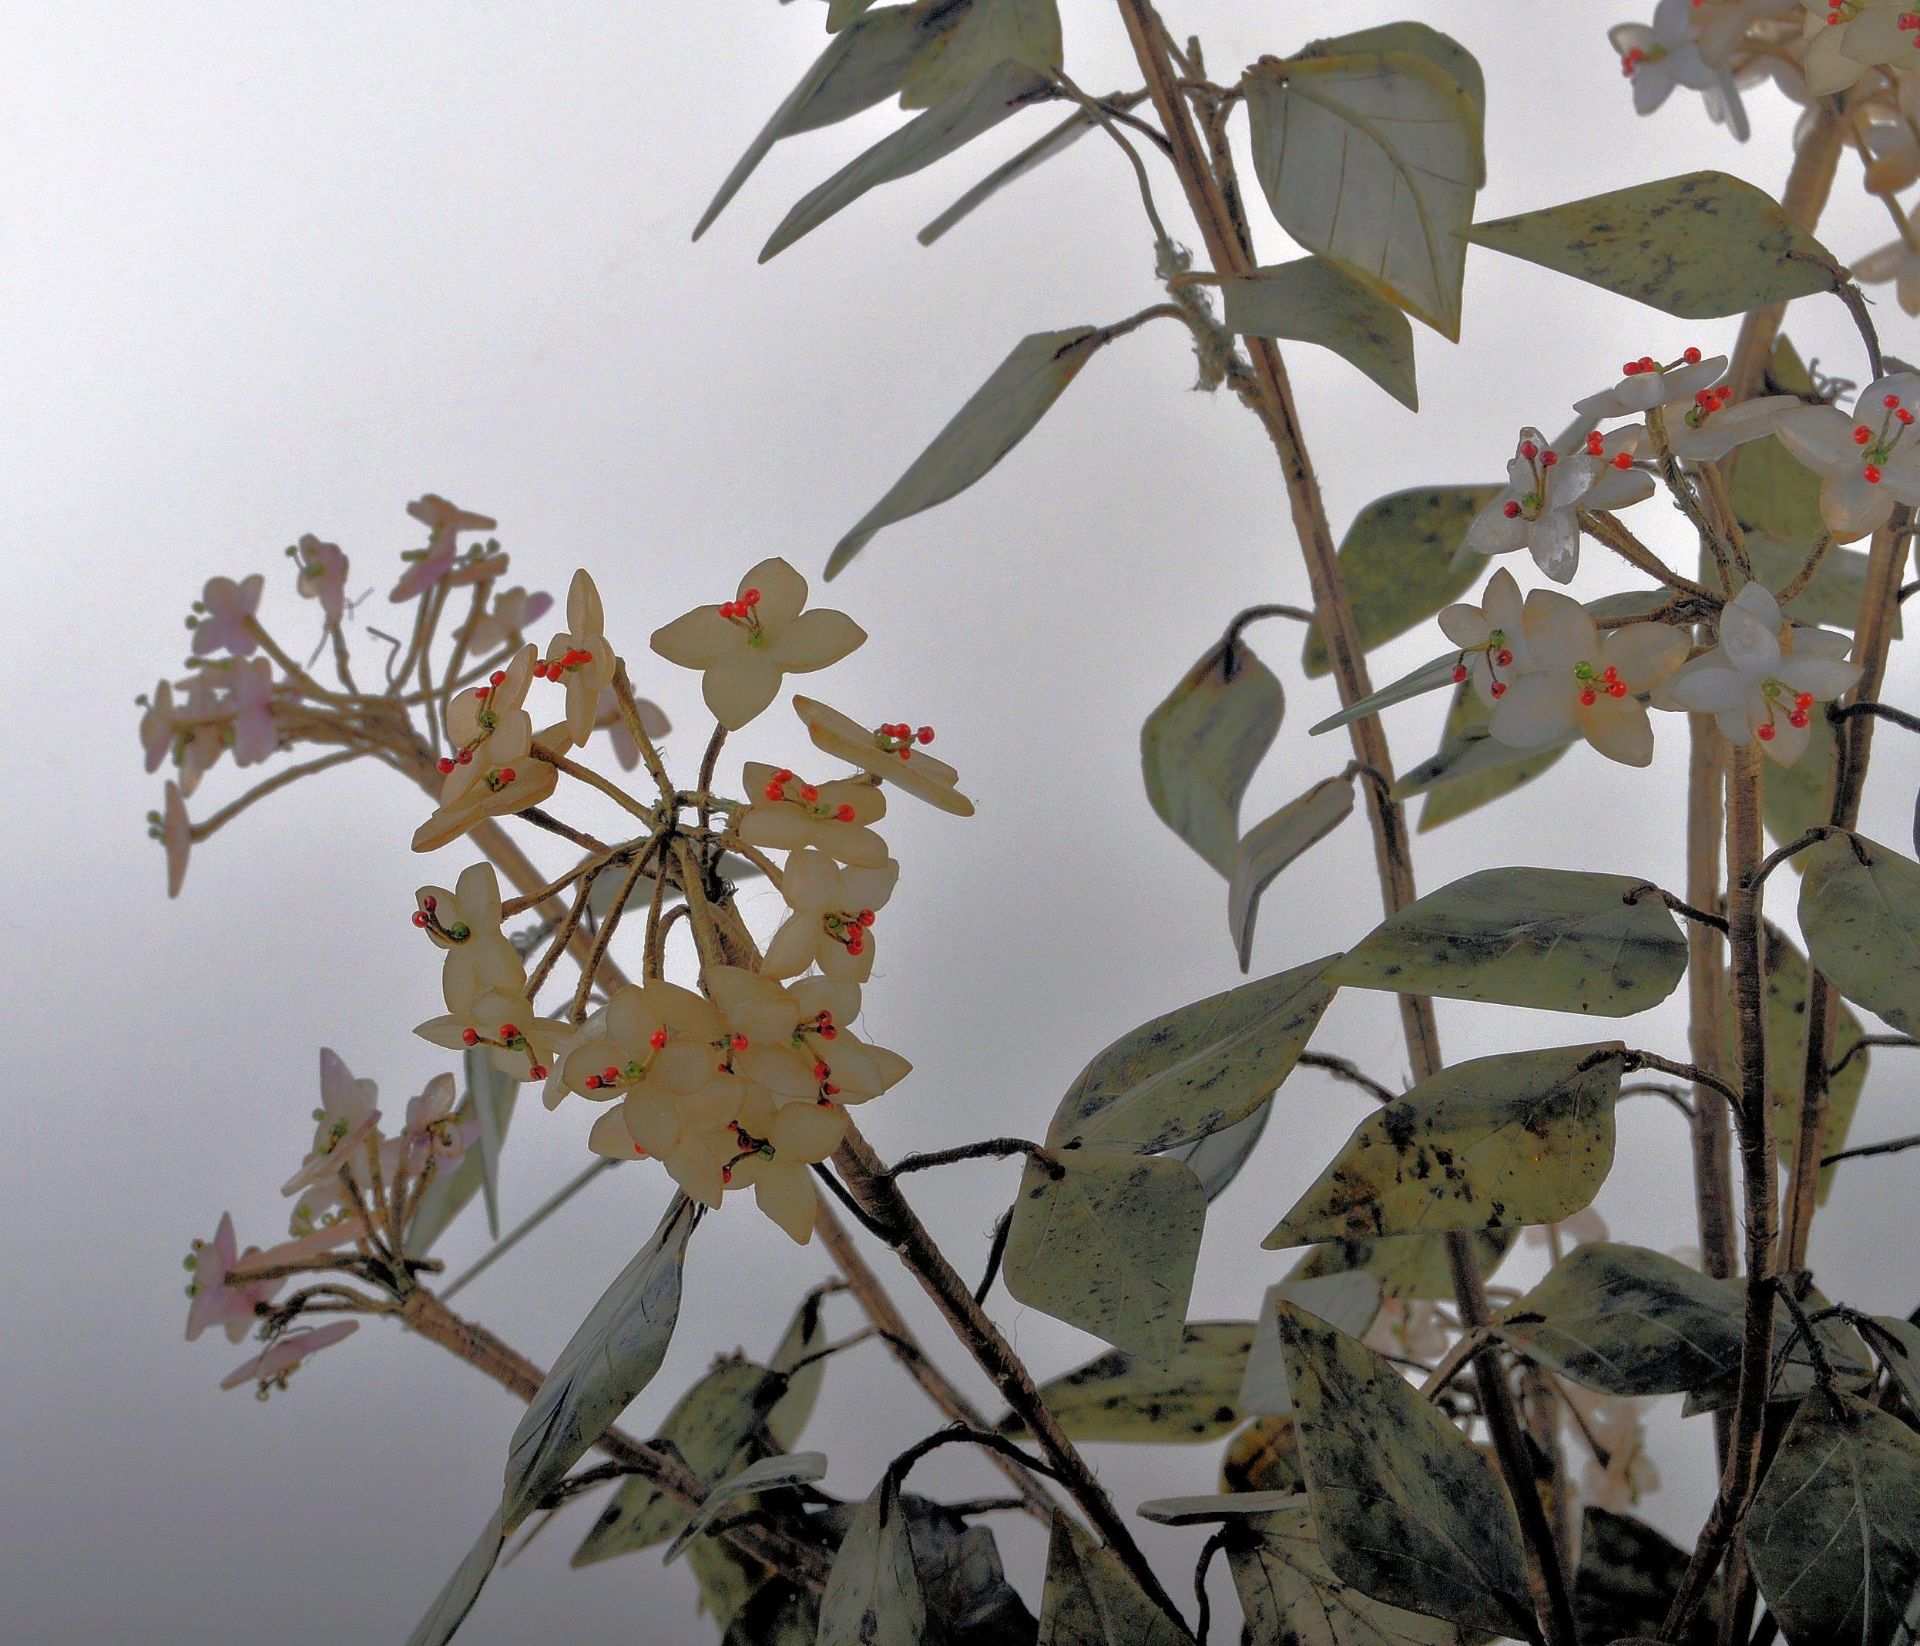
[(1716, 921), (1893, 1145), (1341, 1069), (996, 1250), (1866, 1042), (991, 1148)]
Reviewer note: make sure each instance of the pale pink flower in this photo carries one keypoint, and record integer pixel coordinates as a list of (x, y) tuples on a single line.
[(444, 522), (228, 623), (207, 722), (346, 1119), (895, 753), (323, 575), (275, 1364), (434, 1132), (157, 731), (501, 791), (746, 646), (779, 1146), (176, 834), (608, 718), (250, 692), (511, 612), (480, 1013), (785, 813), (833, 916), (215, 1303)]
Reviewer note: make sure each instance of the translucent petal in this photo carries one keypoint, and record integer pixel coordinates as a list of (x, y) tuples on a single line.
[(791, 950), (1706, 686), (585, 615), (815, 639), (808, 1131), (653, 1121), (1536, 713), (1852, 507), (1750, 632), (697, 639), (1825, 677), (783, 591), (611, 1138), (739, 687), (813, 881), (788, 1198), (1618, 727), (781, 1069), (1819, 436), (1555, 544)]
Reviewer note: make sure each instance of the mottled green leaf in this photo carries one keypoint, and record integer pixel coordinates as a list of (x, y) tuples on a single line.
[(1312, 301), (950, 124), (1793, 1369), (1834, 1536), (804, 1336), (842, 12), (1785, 1004), (1627, 1321), (1196, 1069), (1525, 1137), (973, 39), (1109, 1246), (1862, 925), (491, 1094), (1627, 1578), (1407, 1266), (1116, 1397), (1001, 413), (1263, 1457), (1091, 1599), (451, 1605), (1368, 149), (1403, 559), (873, 1593), (1270, 846), (770, 1474), (1796, 798), (778, 1614), (1291, 1597), (1347, 1301), (1199, 748), (1698, 246), (609, 1360), (1772, 490), (718, 1428), (1034, 155), (1555, 939), (864, 64), (1216, 1159), (969, 1601), (1470, 769), (1407, 1508)]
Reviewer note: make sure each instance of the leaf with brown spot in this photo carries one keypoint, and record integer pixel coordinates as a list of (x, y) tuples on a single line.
[(1525, 1137), (1862, 925), (1554, 939), (1115, 1397), (873, 1595), (1408, 1510), (1091, 1599), (1312, 301)]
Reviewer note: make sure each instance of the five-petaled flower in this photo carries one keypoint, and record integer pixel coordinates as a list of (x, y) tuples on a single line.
[(1868, 462), (1647, 384), (466, 923), (444, 522), (1540, 507), (833, 915), (786, 813), (1764, 678), (483, 1012), (895, 753), (745, 646), (1491, 638), (488, 727), (227, 624), (1582, 681), (214, 1301)]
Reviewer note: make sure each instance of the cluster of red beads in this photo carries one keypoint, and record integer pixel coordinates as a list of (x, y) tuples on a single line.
[(1610, 683), (446, 763), (1801, 704), (735, 611), (1597, 447), (558, 667), (1634, 58)]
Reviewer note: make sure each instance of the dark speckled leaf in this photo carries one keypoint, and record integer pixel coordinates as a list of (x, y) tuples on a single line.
[(1348, 1301), (1291, 1596), (1196, 1069), (1525, 1137), (1091, 1600), (873, 1593), (1862, 926), (1627, 1321), (1834, 1536), (1199, 748), (1109, 1246), (1115, 1397), (1627, 1577), (1311, 301), (1406, 1266), (1896, 1345), (1408, 1510), (1553, 939), (1698, 246), (770, 1474), (1403, 559), (1216, 1159)]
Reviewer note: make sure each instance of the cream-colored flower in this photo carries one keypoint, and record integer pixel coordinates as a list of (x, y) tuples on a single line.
[(799, 1046), (580, 657), (786, 813), (747, 645), (833, 915), (488, 726), (466, 923), (657, 1038), (894, 753), (481, 1012), (501, 791), (779, 1146)]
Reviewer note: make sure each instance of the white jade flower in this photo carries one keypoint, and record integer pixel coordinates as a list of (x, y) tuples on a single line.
[(1764, 678), (833, 915), (1868, 462), (1582, 681), (466, 923), (1539, 509), (580, 657), (1491, 638), (657, 1038), (1899, 263), (488, 726), (895, 753), (746, 646), (1689, 44), (1845, 38), (1646, 383), (787, 813)]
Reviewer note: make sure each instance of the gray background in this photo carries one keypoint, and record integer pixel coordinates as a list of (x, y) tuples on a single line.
[(267, 269)]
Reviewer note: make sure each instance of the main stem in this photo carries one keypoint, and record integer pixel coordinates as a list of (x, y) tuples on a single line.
[(473, 1343), (1212, 199)]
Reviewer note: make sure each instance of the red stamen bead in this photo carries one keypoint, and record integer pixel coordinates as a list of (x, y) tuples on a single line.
[(609, 1076), (592, 1083), (1798, 717), (1803, 701), (1459, 673), (1631, 369), (866, 917), (1871, 474), (750, 598), (497, 676), (1764, 732), (1648, 363), (1499, 688), (923, 735), (657, 1039), (1529, 450), (775, 792), (1861, 435), (1588, 696), (738, 1042), (444, 765), (509, 1032), (783, 776), (1622, 460), (843, 814), (821, 1071), (854, 945), (830, 1089), (1891, 401), (464, 757), (809, 794), (429, 903), (1617, 689), (1549, 458), (1691, 356), (1511, 511), (419, 919), (470, 1036), (1505, 657), (1904, 415)]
